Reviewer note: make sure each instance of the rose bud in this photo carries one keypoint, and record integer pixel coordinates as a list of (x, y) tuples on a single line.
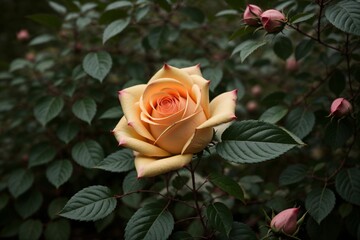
[(252, 106), (23, 35), (256, 90), (273, 21), (252, 15), (292, 65), (171, 118), (340, 107), (285, 221)]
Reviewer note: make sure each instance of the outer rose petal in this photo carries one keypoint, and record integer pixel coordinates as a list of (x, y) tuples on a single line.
[(198, 141), (222, 110), (193, 70), (149, 167), (204, 89), (172, 72), (127, 137)]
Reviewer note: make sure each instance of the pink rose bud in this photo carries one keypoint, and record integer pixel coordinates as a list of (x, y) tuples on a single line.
[(273, 21), (252, 106), (285, 221), (292, 65), (23, 35), (252, 15), (256, 90), (340, 107)]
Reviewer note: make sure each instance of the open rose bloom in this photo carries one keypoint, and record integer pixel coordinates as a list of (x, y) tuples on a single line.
[(170, 118)]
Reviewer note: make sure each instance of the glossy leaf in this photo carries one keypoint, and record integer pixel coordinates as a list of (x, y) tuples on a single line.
[(59, 172), (114, 29), (87, 153), (248, 47), (28, 204), (151, 222), (220, 217), (274, 114), (300, 122), (112, 113), (120, 161), (348, 185), (85, 109), (90, 204), (283, 48), (228, 185), (319, 203), (293, 174), (48, 108), (301, 17), (67, 132), (20, 181), (118, 4), (97, 65), (45, 38), (41, 154), (253, 141)]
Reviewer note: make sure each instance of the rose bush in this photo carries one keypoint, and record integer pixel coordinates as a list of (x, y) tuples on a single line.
[(170, 118)]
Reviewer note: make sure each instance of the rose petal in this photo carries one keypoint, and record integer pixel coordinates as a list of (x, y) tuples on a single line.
[(128, 137), (204, 89), (168, 71), (150, 167), (199, 140), (193, 70), (222, 110), (129, 99)]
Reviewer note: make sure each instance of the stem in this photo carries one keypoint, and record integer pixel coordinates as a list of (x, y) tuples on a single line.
[(347, 53), (321, 4)]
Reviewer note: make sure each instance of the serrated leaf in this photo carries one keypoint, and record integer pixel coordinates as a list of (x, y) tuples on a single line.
[(293, 174), (20, 181), (42, 39), (274, 114), (41, 154), (348, 185), (303, 48), (131, 183), (48, 20), (345, 15), (48, 108), (111, 113), (28, 204), (228, 185), (59, 172), (253, 141), (120, 161), (220, 217), (58, 230), (87, 153), (115, 28), (300, 122), (67, 132), (85, 109), (214, 75), (30, 230), (97, 65), (151, 222), (239, 231), (90, 204), (283, 48), (319, 203), (248, 47)]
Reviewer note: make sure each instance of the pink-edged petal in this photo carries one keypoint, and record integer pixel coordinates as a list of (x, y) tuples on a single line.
[(150, 167), (200, 139), (204, 92), (128, 137), (168, 71), (222, 109), (193, 70)]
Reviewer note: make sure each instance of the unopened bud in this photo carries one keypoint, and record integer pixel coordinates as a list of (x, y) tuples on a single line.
[(273, 21), (23, 35), (340, 107), (292, 65), (252, 15), (285, 221)]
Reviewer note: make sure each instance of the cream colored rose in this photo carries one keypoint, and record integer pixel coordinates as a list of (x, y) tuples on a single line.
[(169, 119)]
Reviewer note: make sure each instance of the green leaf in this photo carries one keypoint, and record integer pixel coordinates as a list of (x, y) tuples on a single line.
[(303, 48), (158, 36), (120, 161), (115, 28), (345, 15), (90, 204), (67, 132), (87, 153), (141, 12), (338, 132), (85, 109), (301, 17), (248, 47), (131, 183), (239, 231), (97, 65), (283, 48), (40, 154), (293, 174), (55, 207), (18, 64), (151, 222), (220, 217), (28, 204), (30, 230), (337, 82), (228, 185), (253, 141), (118, 4), (195, 14), (20, 181), (319, 203), (112, 113), (300, 122), (57, 7), (180, 181), (4, 200), (274, 114), (59, 172), (58, 230), (48, 108), (348, 185), (214, 75), (44, 38), (47, 20)]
